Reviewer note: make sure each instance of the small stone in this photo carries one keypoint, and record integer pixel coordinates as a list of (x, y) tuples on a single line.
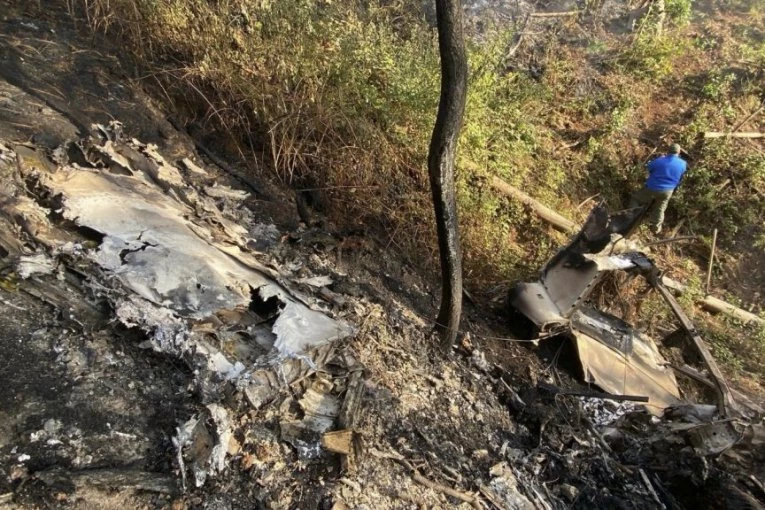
[(52, 426), (480, 454), (568, 491), (18, 472)]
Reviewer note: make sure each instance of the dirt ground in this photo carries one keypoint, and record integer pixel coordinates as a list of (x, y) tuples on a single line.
[(91, 415)]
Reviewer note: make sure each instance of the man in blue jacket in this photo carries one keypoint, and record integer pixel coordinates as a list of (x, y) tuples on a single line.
[(664, 174)]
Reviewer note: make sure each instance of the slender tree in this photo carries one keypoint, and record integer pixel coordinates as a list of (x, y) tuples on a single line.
[(443, 143)]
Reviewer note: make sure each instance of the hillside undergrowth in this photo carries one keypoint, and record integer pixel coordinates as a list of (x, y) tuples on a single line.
[(341, 97)]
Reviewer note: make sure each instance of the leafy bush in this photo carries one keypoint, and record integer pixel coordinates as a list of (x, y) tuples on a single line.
[(679, 11)]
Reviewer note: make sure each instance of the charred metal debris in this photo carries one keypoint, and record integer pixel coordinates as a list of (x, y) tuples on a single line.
[(614, 355), (155, 251)]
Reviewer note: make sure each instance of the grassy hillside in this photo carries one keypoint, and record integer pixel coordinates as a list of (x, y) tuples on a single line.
[(342, 96)]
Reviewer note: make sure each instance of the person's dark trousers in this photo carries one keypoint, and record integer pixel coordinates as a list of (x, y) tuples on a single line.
[(659, 201)]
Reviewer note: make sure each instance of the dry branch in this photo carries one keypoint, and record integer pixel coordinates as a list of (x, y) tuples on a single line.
[(714, 304), (555, 14), (749, 117), (417, 477), (468, 498), (711, 261)]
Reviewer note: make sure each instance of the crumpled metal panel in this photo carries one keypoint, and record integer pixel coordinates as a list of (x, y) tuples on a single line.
[(570, 276), (621, 360), (532, 300), (153, 247), (572, 273)]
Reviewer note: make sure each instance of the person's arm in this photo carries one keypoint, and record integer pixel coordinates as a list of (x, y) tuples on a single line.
[(682, 175), (650, 166)]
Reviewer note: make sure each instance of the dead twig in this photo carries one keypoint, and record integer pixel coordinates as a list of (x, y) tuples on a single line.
[(468, 498), (749, 117), (649, 485), (471, 499), (711, 259)]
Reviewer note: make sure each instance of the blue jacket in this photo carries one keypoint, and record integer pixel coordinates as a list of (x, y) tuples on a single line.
[(664, 173)]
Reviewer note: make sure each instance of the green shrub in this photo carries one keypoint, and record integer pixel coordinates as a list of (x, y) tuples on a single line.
[(679, 11)]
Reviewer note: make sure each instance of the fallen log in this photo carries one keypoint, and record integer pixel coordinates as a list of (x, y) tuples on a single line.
[(728, 134), (716, 305), (544, 212)]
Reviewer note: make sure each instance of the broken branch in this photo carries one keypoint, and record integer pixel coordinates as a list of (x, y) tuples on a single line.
[(468, 498), (714, 304), (417, 477), (711, 260), (554, 14), (749, 117), (671, 240)]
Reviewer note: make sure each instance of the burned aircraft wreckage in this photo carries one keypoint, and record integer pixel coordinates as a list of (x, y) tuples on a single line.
[(613, 354)]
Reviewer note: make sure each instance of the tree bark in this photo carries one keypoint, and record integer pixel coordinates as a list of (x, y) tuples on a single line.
[(443, 143)]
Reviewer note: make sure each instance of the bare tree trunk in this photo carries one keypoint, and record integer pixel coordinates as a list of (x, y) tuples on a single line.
[(441, 164)]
